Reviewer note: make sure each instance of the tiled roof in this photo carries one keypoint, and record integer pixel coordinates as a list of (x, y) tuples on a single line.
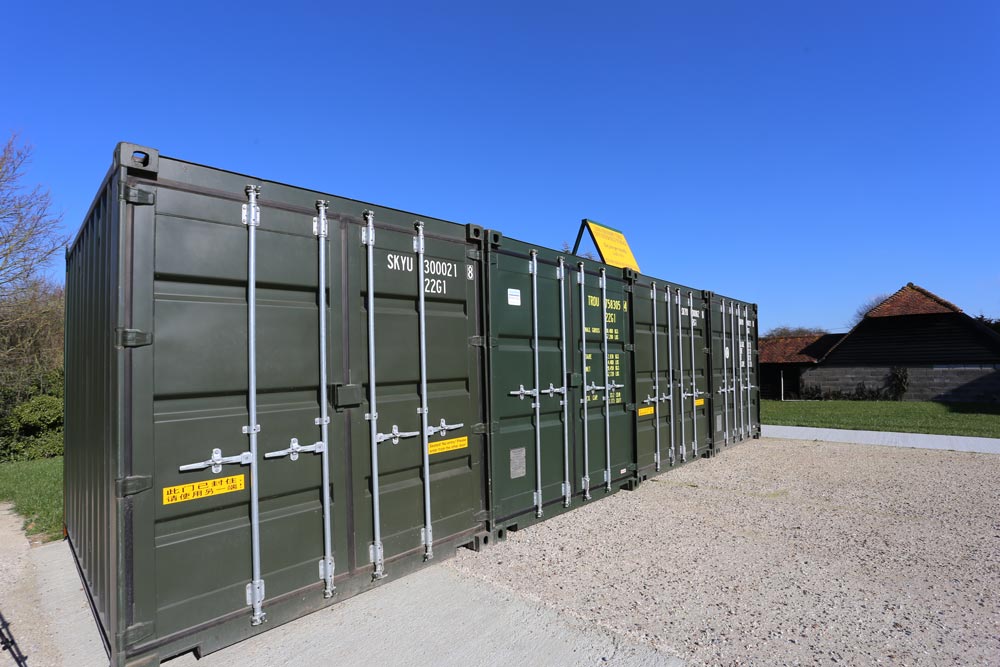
[(796, 349), (913, 300)]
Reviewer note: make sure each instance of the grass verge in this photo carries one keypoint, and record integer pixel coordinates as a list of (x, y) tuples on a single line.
[(35, 489), (971, 419)]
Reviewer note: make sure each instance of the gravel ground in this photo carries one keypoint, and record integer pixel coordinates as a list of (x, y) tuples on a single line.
[(781, 552)]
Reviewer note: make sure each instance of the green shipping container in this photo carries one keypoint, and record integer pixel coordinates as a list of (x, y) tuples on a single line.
[(276, 397), (695, 383), (735, 376), (561, 428), (237, 449)]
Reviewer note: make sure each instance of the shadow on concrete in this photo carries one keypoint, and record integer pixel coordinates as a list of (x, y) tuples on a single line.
[(8, 643)]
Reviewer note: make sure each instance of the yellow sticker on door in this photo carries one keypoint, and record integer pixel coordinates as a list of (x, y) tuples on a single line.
[(700, 401), (205, 489), (646, 411), (449, 445)]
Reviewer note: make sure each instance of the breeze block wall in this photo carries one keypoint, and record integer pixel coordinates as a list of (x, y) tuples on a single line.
[(956, 383)]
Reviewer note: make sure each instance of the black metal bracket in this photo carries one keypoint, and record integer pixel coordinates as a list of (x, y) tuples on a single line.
[(133, 338), (138, 196), (129, 486)]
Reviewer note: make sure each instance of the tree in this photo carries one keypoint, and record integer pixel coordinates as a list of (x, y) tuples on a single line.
[(31, 313), (586, 254), (865, 307), (785, 330), (990, 322), (31, 340), (29, 231)]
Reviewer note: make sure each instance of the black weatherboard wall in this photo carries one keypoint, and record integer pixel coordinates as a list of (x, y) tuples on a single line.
[(277, 397)]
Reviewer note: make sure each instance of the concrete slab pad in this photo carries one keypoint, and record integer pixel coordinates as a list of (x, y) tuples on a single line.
[(887, 438), (434, 617)]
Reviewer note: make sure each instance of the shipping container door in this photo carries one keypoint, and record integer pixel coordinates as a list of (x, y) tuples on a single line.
[(529, 328), (652, 321), (193, 544), (691, 380), (722, 412), (602, 319), (448, 279), (752, 389)]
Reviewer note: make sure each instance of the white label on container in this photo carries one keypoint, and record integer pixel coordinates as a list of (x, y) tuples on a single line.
[(518, 462), (513, 297)]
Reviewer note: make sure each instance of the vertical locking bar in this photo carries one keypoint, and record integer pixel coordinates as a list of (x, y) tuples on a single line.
[(376, 553), (582, 278), (567, 486), (735, 353), (670, 373), (656, 378), (607, 383), (725, 371), (428, 536), (537, 400), (326, 566), (252, 219), (694, 385), (746, 330), (680, 379), (739, 324)]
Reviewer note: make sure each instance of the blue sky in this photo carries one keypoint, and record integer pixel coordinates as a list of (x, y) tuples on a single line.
[(802, 155)]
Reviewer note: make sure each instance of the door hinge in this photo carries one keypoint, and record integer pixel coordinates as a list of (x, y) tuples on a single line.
[(629, 347), (129, 486), (138, 196), (482, 341), (479, 429), (133, 338), (630, 407), (472, 253), (136, 632)]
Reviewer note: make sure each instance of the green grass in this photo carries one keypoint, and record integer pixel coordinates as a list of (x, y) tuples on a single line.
[(980, 420), (35, 489)]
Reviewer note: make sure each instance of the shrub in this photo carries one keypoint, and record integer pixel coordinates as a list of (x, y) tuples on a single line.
[(898, 382), (35, 415), (33, 429)]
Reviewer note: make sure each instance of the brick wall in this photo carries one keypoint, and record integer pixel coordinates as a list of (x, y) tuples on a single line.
[(979, 384)]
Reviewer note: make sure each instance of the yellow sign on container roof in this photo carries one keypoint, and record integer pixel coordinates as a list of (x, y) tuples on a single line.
[(612, 246)]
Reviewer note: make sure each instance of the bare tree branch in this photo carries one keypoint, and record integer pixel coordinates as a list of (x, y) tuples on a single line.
[(29, 232), (865, 307)]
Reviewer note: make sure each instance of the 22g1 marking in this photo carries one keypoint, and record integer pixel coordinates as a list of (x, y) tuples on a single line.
[(435, 286)]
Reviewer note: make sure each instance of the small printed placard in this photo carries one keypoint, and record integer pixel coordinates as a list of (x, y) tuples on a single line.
[(205, 489), (448, 445)]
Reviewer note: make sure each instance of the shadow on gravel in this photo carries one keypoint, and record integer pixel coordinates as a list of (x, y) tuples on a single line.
[(8, 643)]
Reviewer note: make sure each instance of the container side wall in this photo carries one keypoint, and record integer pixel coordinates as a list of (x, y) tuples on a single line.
[(93, 364)]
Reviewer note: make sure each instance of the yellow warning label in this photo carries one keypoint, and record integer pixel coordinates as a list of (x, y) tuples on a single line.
[(699, 401), (199, 490), (643, 412), (449, 445), (612, 245)]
